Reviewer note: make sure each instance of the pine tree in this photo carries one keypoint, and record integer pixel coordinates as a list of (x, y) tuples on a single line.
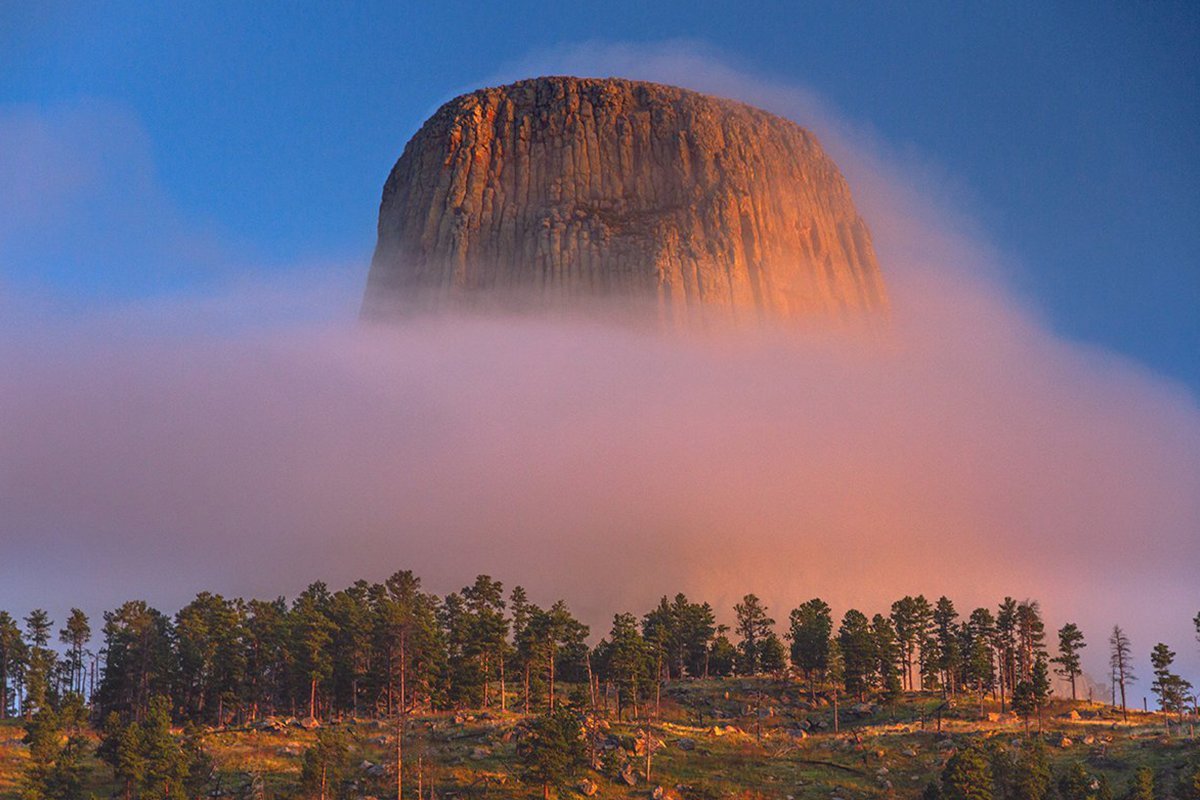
[(1076, 784), (722, 655), (929, 654), (42, 734), (628, 662), (1024, 704), (198, 764), (12, 661), (835, 674), (810, 632), (906, 621), (464, 676), (1142, 787), (413, 653), (1070, 642), (40, 661), (979, 668), (888, 657), (564, 641), (753, 628), (949, 648), (1031, 693), (1031, 773), (210, 656), (857, 648), (165, 773), (661, 633), (350, 612), (521, 612), (326, 765), (487, 631), (268, 656), (1172, 690), (968, 776), (312, 635), (121, 748), (139, 659), (409, 642), (75, 635), (681, 631), (1039, 681), (1031, 637), (696, 626), (1005, 644), (553, 752), (1122, 665), (772, 655), (55, 770)]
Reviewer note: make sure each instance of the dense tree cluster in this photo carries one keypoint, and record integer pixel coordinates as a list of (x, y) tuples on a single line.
[(993, 770), (386, 649), (389, 649)]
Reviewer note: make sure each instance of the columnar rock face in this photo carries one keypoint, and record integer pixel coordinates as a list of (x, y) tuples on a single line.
[(562, 191)]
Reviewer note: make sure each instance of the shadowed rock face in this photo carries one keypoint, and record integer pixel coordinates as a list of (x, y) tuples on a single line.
[(557, 192)]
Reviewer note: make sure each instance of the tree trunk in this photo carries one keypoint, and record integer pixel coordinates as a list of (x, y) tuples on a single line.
[(486, 679), (658, 696), (503, 699), (591, 691), (401, 710), (649, 750), (399, 755)]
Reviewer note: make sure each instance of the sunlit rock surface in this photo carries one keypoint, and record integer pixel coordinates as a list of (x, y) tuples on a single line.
[(562, 192)]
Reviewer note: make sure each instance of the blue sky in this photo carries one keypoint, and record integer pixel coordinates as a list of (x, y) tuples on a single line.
[(227, 136)]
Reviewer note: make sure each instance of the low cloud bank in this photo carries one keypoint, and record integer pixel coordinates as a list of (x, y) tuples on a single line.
[(969, 453), (157, 450)]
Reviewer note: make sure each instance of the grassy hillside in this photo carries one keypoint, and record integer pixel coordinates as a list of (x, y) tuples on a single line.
[(740, 738)]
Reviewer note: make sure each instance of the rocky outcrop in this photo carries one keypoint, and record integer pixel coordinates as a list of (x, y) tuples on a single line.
[(562, 191)]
